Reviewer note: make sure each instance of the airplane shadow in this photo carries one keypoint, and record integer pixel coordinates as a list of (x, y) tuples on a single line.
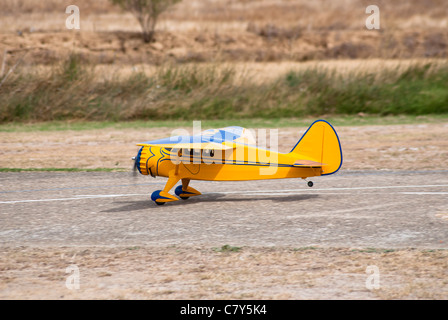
[(127, 206)]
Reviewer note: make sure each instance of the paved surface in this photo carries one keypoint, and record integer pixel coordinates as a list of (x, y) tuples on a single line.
[(349, 209)]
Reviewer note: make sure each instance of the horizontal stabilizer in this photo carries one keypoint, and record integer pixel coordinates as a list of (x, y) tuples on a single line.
[(308, 164)]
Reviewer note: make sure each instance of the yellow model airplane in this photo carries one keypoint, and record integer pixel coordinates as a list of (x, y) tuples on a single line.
[(230, 154)]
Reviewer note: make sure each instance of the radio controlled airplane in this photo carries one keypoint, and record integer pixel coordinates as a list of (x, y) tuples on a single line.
[(230, 154)]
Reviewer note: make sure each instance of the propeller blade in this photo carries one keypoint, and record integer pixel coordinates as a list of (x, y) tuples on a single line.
[(134, 167)]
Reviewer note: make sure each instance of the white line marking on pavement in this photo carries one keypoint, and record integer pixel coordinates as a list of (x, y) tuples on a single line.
[(334, 189), (80, 197), (421, 193), (250, 192)]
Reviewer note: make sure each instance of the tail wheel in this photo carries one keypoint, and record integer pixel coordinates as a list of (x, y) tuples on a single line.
[(310, 184)]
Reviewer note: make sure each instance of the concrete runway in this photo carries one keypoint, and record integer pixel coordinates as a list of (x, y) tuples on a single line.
[(350, 209)]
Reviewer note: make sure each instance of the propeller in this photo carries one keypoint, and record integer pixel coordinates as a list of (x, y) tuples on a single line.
[(134, 167)]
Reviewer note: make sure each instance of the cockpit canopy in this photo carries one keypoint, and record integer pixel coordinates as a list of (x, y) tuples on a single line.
[(234, 133)]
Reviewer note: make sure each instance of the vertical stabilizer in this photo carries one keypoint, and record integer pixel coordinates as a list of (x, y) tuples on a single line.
[(320, 143)]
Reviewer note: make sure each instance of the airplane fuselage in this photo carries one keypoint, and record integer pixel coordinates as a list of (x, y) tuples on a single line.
[(236, 164)]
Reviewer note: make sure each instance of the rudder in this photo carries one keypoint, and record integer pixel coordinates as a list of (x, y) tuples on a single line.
[(320, 143)]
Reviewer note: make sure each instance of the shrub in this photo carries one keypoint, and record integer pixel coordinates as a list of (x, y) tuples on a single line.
[(146, 12)]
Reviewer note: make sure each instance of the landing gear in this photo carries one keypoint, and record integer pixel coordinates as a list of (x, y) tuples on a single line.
[(160, 197), (309, 183), (178, 192), (184, 191)]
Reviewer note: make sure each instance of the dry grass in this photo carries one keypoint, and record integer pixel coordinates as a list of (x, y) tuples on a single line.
[(74, 90), (259, 73), (207, 30), (204, 273), (24, 7), (319, 14)]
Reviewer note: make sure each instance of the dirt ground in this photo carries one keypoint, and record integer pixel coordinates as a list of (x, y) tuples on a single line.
[(231, 31), (201, 272), (389, 147), (193, 46), (211, 273)]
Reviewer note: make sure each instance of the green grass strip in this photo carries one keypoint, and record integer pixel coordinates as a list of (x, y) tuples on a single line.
[(347, 120), (177, 94)]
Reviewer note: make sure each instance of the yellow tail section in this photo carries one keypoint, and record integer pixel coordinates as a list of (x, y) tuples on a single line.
[(320, 143)]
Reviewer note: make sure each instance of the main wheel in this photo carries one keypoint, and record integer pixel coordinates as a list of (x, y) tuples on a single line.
[(178, 191), (155, 195)]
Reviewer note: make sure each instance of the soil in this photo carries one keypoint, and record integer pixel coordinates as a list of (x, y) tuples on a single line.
[(209, 273), (390, 147), (230, 31)]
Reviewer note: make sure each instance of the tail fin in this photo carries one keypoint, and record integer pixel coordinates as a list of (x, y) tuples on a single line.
[(320, 143)]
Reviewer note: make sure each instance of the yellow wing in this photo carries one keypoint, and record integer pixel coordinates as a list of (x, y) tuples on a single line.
[(187, 145)]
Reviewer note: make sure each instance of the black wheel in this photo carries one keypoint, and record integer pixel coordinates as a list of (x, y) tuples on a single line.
[(160, 203), (310, 184), (184, 198)]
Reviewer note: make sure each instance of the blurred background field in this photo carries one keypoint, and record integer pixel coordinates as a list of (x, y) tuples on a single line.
[(80, 100), (229, 30), (235, 59)]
